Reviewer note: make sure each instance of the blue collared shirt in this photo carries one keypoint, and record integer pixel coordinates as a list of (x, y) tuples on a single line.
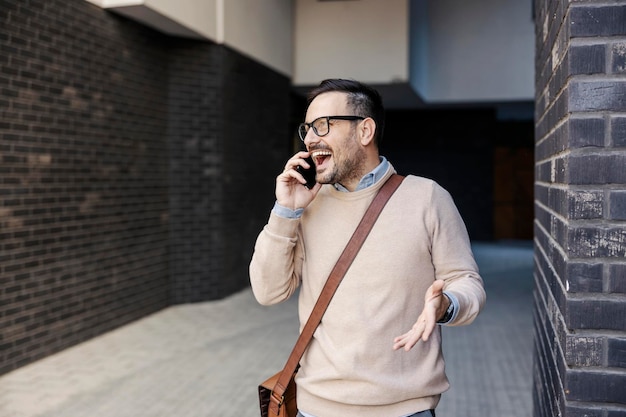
[(367, 180)]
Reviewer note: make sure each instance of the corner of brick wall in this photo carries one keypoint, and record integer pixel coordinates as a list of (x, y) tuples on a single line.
[(580, 210), (228, 139), (135, 172)]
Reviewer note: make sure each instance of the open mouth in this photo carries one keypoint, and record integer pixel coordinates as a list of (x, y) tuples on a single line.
[(320, 157)]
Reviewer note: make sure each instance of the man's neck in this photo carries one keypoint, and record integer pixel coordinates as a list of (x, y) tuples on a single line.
[(368, 179)]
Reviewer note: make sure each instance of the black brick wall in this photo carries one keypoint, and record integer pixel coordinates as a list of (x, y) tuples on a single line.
[(580, 233), (256, 143), (83, 189), (229, 131), (196, 155), (127, 167)]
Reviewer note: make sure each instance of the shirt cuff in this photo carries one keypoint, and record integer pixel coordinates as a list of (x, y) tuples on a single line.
[(287, 213), (454, 303)]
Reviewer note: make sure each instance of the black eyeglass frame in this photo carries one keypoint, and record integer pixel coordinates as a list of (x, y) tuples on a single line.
[(302, 126)]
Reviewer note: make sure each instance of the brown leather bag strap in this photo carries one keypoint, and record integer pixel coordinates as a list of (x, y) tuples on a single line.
[(335, 277)]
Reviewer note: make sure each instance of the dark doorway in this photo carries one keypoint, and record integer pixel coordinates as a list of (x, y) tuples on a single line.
[(485, 163)]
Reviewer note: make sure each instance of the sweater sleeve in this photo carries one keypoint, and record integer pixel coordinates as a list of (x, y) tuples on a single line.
[(276, 265), (453, 259)]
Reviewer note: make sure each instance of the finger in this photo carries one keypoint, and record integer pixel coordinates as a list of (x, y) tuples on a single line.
[(288, 175), (435, 290), (405, 341), (430, 321), (293, 165), (289, 166), (397, 345), (298, 158), (410, 338), (428, 330), (411, 341), (292, 177), (400, 339)]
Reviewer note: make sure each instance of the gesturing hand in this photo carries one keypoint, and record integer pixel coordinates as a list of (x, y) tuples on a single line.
[(435, 304)]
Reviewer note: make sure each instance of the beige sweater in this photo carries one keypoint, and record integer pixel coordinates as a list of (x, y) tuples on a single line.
[(350, 368)]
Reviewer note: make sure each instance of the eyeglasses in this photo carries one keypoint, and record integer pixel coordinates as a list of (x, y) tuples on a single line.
[(321, 125)]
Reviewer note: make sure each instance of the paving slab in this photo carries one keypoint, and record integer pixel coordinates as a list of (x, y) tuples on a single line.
[(206, 359)]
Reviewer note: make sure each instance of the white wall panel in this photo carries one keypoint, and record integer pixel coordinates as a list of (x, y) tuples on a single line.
[(186, 18), (261, 29), (361, 39)]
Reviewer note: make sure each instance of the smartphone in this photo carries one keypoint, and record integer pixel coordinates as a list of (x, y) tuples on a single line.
[(308, 173)]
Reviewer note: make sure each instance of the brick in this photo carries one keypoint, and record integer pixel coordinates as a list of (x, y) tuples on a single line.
[(596, 95), (596, 314), (562, 171), (584, 277), (590, 20), (543, 172), (616, 352), (585, 204), (618, 58), (618, 131), (557, 199), (596, 169), (587, 59), (590, 242), (583, 411), (617, 205), (617, 278), (595, 386), (585, 132), (584, 351)]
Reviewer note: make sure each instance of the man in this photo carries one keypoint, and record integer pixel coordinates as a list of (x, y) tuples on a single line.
[(377, 351)]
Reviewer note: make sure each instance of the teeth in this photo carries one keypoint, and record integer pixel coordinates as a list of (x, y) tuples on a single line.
[(320, 153)]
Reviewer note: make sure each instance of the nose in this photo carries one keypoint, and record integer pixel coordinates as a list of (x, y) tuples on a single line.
[(310, 138)]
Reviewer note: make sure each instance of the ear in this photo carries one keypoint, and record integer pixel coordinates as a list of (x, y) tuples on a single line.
[(367, 130)]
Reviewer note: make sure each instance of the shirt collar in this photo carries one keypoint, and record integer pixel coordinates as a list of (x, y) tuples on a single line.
[(368, 179)]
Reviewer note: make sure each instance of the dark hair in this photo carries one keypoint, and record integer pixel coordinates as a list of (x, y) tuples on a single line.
[(364, 100)]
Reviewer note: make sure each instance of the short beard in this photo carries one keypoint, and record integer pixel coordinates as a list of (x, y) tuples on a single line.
[(351, 168)]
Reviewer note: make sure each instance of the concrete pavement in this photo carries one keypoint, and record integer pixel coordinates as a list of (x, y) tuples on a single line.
[(205, 360)]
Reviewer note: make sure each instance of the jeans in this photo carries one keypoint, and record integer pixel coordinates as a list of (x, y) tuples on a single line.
[(426, 413)]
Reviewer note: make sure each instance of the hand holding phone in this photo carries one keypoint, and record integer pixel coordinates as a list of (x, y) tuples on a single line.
[(308, 173)]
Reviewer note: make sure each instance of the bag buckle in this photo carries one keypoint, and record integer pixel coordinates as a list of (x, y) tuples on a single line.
[(279, 400)]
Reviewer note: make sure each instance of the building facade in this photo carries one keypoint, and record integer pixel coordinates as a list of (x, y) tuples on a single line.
[(140, 139)]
